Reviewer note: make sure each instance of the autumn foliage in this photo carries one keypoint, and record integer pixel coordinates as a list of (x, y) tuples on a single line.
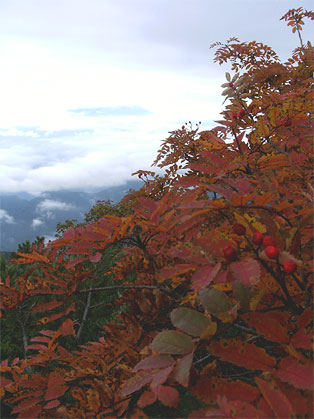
[(219, 306)]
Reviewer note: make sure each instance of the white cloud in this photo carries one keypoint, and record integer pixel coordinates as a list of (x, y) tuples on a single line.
[(113, 60), (37, 222), (5, 217), (50, 204)]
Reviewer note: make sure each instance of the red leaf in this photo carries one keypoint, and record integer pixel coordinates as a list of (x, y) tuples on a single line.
[(40, 339), (95, 258), (52, 404), (56, 387), (304, 335), (272, 325), (303, 339), (293, 372), (32, 412), (248, 271), (47, 332), (136, 382), (5, 382), (37, 346), (182, 369), (25, 404), (75, 262), (155, 361), (240, 409), (204, 276), (168, 396), (69, 233), (207, 413), (67, 329), (301, 404), (208, 388), (15, 361), (161, 376), (305, 318), (244, 354), (147, 398), (40, 307), (275, 398)]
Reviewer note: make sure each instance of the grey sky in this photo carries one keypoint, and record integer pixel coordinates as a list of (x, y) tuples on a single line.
[(143, 67)]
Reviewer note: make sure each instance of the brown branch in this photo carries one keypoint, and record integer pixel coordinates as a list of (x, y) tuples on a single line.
[(22, 324), (115, 287), (85, 314)]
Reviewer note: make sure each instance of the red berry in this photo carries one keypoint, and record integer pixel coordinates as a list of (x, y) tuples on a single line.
[(289, 266), (257, 238), (230, 253), (183, 127), (241, 113), (239, 229), (271, 252), (231, 84), (268, 241)]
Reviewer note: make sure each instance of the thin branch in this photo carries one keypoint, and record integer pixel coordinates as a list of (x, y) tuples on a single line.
[(85, 314), (116, 287), (276, 147), (22, 324)]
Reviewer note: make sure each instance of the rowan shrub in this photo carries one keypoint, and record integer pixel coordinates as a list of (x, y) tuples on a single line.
[(233, 332)]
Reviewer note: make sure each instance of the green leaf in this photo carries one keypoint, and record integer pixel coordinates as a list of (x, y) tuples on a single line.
[(243, 294), (172, 342), (214, 301), (190, 321)]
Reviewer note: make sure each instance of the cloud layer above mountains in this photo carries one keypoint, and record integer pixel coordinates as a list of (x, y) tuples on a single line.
[(90, 89)]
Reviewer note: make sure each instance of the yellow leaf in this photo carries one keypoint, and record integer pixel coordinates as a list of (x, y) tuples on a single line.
[(209, 331), (223, 286), (249, 222), (261, 128), (256, 299), (273, 116), (290, 237)]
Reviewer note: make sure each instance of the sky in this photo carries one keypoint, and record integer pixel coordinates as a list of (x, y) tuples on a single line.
[(90, 88)]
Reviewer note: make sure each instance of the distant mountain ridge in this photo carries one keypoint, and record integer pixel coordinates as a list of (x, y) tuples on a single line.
[(23, 219)]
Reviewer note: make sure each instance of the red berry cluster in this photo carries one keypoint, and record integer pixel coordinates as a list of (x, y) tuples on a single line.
[(272, 251), (258, 239)]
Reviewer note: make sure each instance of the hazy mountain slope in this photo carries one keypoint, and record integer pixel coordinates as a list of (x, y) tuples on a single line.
[(24, 219)]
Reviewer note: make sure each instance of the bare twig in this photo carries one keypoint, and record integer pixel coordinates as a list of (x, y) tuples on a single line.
[(116, 287), (85, 314)]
